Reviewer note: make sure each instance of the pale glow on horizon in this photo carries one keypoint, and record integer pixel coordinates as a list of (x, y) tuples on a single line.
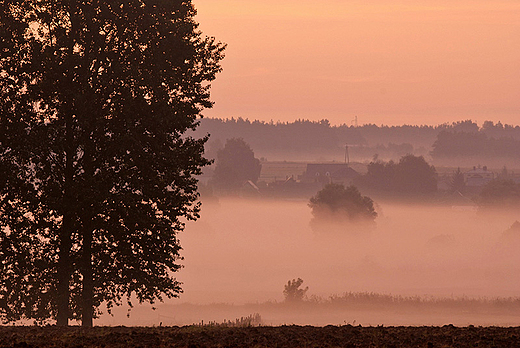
[(414, 62), (343, 9)]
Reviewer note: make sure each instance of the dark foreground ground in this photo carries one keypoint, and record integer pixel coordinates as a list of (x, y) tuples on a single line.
[(280, 336)]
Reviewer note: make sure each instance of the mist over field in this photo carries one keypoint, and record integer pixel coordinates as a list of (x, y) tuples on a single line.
[(244, 251), (356, 164)]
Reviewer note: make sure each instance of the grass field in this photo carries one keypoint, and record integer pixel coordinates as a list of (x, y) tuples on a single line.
[(367, 309)]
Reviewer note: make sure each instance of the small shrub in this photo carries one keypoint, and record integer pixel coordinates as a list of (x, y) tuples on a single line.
[(292, 291)]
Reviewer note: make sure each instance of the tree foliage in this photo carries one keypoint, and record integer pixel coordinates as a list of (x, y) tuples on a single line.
[(490, 142), (379, 176), (411, 176), (500, 193), (457, 183), (96, 172), (338, 203), (292, 291), (321, 139), (236, 164)]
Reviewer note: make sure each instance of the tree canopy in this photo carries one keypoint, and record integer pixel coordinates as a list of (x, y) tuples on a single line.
[(500, 193), (301, 139), (96, 171), (337, 204), (292, 291), (236, 164), (411, 176), (457, 183), (490, 142)]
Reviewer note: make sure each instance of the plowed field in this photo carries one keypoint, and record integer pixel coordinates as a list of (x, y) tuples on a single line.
[(279, 336)]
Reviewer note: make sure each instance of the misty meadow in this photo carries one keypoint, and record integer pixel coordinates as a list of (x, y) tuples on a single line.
[(241, 253), (432, 248), (355, 166)]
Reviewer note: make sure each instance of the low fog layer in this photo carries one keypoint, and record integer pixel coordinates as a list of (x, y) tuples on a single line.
[(245, 251)]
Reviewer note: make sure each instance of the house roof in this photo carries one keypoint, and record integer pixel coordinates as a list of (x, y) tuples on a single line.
[(330, 169)]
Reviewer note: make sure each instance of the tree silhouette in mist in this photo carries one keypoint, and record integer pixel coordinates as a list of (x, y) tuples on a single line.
[(97, 171), (292, 291), (457, 183), (236, 164), (342, 203), (411, 176), (500, 193)]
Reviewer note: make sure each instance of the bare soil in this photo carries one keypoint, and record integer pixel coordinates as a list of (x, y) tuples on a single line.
[(264, 336)]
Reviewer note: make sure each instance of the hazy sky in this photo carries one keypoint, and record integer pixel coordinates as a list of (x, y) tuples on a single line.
[(387, 62)]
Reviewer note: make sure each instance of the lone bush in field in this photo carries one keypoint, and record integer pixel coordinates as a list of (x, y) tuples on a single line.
[(292, 291), (337, 206)]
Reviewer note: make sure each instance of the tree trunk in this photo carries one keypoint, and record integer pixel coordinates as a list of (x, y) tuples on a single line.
[(88, 286), (64, 270), (87, 295), (63, 273)]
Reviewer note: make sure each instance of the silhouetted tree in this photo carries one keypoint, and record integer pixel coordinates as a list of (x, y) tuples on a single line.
[(236, 164), (500, 193), (467, 126), (292, 291), (504, 173), (413, 175), (340, 204), (457, 183), (490, 142), (380, 176), (96, 171)]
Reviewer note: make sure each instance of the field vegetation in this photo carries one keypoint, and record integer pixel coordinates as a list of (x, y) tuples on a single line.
[(354, 308)]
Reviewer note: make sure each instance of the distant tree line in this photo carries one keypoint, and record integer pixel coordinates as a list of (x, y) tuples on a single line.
[(288, 139), (475, 144), (300, 136)]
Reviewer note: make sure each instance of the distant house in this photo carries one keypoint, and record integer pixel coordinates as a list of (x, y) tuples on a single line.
[(326, 173), (478, 176)]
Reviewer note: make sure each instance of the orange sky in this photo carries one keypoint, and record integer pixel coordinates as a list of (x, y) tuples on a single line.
[(387, 62)]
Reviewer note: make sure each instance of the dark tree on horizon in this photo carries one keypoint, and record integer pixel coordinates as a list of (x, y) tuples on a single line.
[(457, 183), (236, 164), (96, 172), (499, 193), (412, 176)]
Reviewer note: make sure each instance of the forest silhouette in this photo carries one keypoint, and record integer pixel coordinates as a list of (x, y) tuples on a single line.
[(459, 141)]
